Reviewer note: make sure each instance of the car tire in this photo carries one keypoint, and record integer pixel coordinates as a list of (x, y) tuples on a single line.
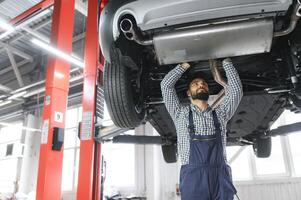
[(294, 104), (262, 147), (169, 153), (118, 93), (296, 101)]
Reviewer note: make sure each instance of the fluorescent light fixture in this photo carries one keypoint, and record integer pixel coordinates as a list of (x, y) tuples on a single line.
[(17, 95), (6, 26), (58, 53), (5, 103), (10, 29)]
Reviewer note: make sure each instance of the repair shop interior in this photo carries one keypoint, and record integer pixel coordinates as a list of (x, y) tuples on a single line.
[(150, 100)]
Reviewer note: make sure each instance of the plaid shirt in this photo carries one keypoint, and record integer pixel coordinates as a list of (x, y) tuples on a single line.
[(203, 120)]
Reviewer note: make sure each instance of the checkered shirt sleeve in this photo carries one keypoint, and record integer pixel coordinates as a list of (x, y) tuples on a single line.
[(233, 91), (169, 93)]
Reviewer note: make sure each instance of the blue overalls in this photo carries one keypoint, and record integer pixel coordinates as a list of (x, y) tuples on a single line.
[(207, 176)]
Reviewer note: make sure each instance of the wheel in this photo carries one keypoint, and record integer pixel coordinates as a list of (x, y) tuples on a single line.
[(296, 101), (169, 153), (295, 104), (123, 101), (262, 147)]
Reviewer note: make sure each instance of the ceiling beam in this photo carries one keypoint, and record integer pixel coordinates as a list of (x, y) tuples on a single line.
[(9, 68), (5, 88), (36, 34), (16, 51), (34, 27), (79, 37), (15, 67), (20, 36)]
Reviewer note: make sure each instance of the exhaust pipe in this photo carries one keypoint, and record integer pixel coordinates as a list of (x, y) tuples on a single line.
[(296, 14), (216, 75), (218, 78), (127, 27)]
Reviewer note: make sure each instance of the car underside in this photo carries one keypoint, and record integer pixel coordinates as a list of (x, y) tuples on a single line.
[(265, 47)]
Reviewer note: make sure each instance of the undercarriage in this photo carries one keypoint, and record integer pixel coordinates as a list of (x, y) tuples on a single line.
[(265, 49)]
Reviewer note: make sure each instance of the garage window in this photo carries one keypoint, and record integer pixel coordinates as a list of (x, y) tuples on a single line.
[(71, 150), (294, 141), (116, 156), (246, 166), (284, 162), (241, 164), (9, 161), (294, 144), (68, 170), (120, 162)]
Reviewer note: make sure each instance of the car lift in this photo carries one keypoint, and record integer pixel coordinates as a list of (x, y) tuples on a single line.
[(55, 105)]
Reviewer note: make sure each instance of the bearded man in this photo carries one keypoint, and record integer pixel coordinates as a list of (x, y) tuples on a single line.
[(201, 133)]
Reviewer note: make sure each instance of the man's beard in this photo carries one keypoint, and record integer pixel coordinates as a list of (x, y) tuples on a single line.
[(203, 96)]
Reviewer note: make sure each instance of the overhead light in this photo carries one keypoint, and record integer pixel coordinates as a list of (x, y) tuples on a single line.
[(5, 26), (3, 103), (9, 29), (58, 53), (17, 95)]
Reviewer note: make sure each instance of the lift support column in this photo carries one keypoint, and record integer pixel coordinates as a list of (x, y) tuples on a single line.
[(55, 104), (89, 178)]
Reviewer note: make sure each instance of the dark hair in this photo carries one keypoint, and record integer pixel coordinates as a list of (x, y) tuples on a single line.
[(195, 75)]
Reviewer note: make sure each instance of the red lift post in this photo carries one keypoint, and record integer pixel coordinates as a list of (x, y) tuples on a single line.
[(89, 178), (55, 103)]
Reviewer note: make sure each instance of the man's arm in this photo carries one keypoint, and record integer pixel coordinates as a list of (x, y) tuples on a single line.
[(169, 93), (233, 91)]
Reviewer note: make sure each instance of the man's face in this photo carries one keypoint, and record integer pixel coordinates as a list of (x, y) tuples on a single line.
[(198, 89)]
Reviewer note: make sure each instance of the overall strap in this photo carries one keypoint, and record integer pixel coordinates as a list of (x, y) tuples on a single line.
[(217, 126), (191, 127), (218, 133)]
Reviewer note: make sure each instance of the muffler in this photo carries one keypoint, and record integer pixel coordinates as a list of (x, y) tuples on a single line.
[(214, 41), (207, 42)]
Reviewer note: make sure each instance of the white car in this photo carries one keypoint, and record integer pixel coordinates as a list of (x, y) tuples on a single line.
[(142, 40)]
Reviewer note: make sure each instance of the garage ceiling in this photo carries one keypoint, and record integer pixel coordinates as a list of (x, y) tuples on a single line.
[(22, 64)]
